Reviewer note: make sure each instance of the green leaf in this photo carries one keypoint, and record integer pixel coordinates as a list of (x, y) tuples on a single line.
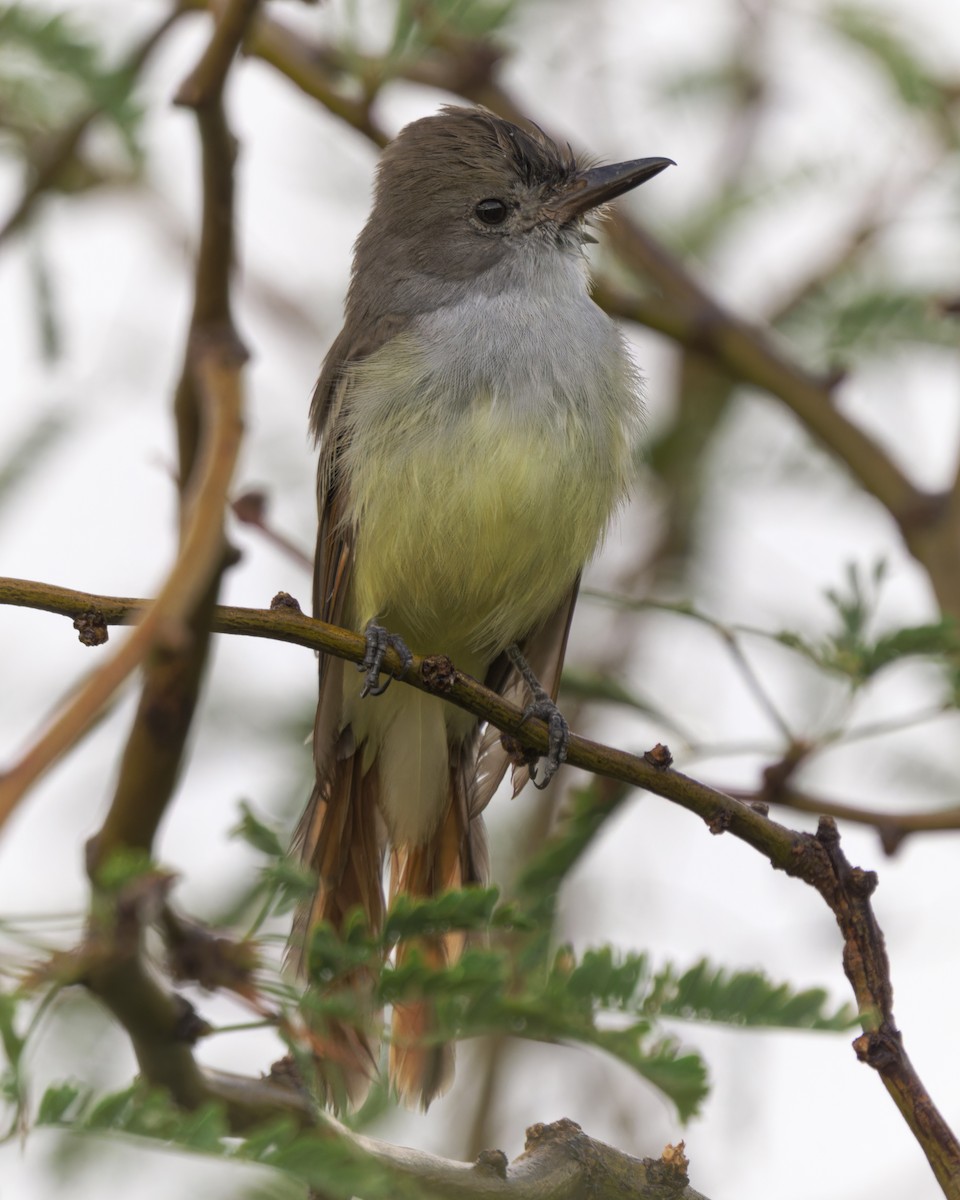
[(288, 884), (853, 652), (57, 1101), (252, 830), (709, 993), (204, 1129), (112, 1111), (606, 978), (470, 909), (13, 1043), (680, 1076)]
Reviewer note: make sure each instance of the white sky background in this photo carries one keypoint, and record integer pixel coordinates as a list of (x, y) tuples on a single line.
[(793, 1116)]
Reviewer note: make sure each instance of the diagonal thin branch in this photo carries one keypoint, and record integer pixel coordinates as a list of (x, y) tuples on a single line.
[(188, 578)]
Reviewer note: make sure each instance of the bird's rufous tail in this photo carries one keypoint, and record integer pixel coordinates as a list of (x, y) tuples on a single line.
[(340, 838), (421, 1067)]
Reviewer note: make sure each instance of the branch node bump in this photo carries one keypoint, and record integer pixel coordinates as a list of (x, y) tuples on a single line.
[(438, 673), (91, 628), (283, 600), (492, 1162), (659, 757)]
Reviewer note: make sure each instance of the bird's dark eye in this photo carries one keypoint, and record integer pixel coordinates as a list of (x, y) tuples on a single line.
[(492, 212)]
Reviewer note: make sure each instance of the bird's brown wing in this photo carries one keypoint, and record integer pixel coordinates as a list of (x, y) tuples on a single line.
[(340, 835), (334, 837)]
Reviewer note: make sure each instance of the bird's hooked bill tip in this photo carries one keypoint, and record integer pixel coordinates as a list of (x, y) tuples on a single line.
[(600, 185)]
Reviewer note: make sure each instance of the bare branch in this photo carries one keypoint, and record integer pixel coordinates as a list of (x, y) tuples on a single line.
[(892, 827), (199, 554), (204, 85)]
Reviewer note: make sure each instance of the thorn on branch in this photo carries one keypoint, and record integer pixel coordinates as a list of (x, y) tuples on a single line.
[(880, 1048), (563, 1131)]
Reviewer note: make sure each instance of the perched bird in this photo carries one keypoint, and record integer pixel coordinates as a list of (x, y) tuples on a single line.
[(476, 418)]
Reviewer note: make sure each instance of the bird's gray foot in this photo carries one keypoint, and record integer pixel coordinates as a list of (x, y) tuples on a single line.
[(545, 709), (379, 640)]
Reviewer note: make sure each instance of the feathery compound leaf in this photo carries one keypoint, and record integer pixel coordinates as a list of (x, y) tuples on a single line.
[(709, 993), (50, 72), (847, 319), (469, 910), (852, 651)]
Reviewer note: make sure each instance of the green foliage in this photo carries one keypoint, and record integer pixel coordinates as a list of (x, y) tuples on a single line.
[(847, 319), (470, 911), (255, 833), (851, 650), (418, 28), (11, 1079), (282, 883), (417, 25), (514, 983), (50, 72), (708, 993), (334, 1165), (889, 48)]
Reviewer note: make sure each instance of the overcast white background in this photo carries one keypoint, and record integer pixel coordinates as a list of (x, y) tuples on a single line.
[(791, 1116)]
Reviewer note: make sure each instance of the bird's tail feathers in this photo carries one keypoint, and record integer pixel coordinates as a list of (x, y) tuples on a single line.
[(421, 1068), (340, 837)]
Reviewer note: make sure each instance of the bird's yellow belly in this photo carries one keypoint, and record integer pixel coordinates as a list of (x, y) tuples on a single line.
[(468, 537)]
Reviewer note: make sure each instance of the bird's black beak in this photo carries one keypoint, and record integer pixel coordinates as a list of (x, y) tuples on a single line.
[(602, 184)]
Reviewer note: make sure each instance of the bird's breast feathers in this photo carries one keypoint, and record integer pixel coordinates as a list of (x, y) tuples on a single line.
[(480, 482)]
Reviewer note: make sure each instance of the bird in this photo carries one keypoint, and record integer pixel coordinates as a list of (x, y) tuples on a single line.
[(477, 420)]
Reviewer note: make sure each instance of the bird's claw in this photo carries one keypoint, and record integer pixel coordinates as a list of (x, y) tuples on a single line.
[(558, 735), (544, 708), (379, 641)]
